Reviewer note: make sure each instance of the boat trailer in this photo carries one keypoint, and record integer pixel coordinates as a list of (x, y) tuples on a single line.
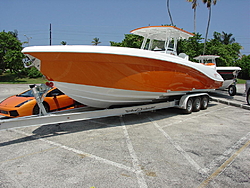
[(188, 102)]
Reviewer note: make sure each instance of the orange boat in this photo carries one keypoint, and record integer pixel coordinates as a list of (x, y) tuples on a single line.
[(103, 76)]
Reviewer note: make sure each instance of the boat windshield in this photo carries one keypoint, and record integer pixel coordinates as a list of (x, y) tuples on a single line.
[(155, 45), (168, 46)]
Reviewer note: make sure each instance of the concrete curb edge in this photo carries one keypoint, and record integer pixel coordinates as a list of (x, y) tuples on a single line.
[(223, 101)]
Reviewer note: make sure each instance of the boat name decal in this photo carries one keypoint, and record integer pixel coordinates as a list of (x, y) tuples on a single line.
[(140, 109)]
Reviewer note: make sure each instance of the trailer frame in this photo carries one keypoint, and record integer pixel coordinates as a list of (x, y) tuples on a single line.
[(188, 102)]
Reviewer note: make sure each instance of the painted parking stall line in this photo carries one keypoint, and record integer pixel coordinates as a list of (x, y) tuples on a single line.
[(227, 163), (139, 173), (106, 161), (178, 148), (215, 163)]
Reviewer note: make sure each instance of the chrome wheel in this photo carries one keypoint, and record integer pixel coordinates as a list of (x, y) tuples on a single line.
[(197, 104), (189, 106), (204, 102)]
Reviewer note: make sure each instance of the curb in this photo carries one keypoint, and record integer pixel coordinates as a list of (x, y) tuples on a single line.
[(223, 101)]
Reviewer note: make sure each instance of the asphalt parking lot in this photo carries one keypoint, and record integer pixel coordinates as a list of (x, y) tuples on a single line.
[(165, 148)]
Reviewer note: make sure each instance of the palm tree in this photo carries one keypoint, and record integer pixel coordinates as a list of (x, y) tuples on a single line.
[(209, 6), (96, 41), (224, 38), (171, 19), (227, 38), (194, 5)]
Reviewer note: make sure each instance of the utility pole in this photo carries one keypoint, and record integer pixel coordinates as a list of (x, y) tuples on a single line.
[(50, 34)]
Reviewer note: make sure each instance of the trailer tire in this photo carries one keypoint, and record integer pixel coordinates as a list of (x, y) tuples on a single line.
[(196, 104), (189, 106), (204, 102), (232, 90)]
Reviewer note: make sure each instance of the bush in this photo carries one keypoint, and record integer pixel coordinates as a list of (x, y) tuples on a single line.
[(34, 73), (29, 72), (244, 63)]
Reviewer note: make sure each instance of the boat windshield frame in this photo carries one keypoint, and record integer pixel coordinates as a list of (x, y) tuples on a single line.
[(168, 46)]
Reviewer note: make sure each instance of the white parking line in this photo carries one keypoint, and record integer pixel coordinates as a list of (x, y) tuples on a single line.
[(224, 157), (137, 170), (203, 172), (106, 161), (139, 174), (177, 146)]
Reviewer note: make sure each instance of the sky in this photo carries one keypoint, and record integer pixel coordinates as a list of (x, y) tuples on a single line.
[(79, 21)]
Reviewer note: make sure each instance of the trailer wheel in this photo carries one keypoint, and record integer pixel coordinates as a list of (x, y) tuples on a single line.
[(197, 104), (189, 107), (232, 90), (204, 102)]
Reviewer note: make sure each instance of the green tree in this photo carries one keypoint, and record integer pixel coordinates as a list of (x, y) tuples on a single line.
[(244, 63), (209, 6), (192, 46), (131, 40), (96, 41), (10, 52), (229, 54), (225, 47), (224, 38), (11, 56)]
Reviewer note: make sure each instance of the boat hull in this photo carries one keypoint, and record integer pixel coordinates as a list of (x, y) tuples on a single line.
[(112, 76), (228, 73), (102, 97)]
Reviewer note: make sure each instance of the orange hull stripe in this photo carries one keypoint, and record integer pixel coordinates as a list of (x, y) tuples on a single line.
[(121, 72)]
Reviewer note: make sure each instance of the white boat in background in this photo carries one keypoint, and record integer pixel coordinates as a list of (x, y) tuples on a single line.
[(103, 76), (229, 74)]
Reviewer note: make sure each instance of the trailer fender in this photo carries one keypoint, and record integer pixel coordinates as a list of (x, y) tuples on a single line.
[(184, 99)]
